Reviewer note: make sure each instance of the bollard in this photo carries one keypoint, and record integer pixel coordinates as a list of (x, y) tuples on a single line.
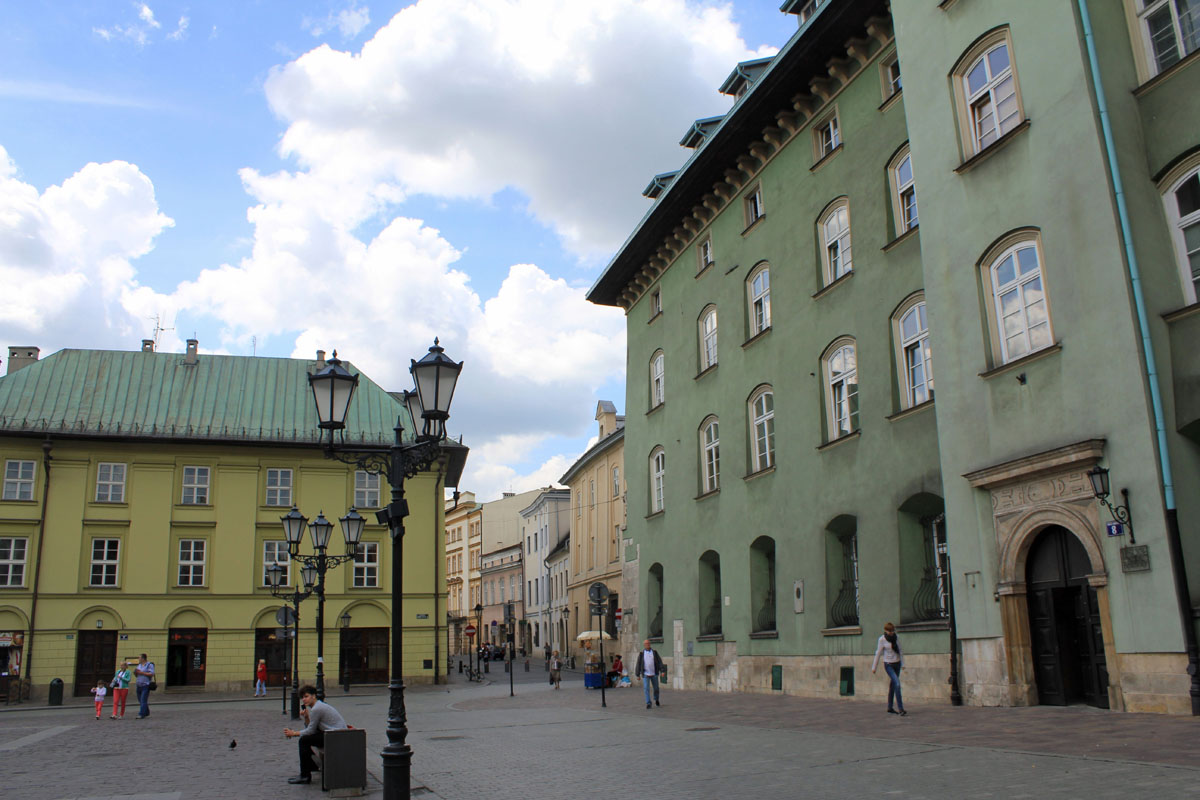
[(527, 665), (460, 668), (55, 696), (487, 666), (506, 666)]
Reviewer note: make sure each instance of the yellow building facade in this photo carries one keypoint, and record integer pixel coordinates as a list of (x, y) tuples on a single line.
[(122, 533)]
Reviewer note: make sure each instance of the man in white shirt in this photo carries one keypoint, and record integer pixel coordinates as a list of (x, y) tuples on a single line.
[(648, 666)]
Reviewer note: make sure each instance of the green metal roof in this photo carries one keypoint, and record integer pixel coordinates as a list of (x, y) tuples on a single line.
[(138, 395)]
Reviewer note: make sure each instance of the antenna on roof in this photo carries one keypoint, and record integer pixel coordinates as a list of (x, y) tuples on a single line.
[(253, 345), (158, 330)]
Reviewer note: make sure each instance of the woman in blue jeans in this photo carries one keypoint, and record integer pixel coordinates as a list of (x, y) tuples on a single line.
[(889, 648)]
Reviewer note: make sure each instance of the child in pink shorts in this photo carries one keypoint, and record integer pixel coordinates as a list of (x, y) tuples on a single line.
[(100, 691)]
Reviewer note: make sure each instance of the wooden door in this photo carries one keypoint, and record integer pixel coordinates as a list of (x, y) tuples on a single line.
[(95, 659)]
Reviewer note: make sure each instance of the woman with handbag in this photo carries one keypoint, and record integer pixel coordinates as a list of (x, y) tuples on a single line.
[(120, 686), (889, 648)]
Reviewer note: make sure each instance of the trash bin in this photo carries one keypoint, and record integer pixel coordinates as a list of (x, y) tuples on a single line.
[(56, 691)]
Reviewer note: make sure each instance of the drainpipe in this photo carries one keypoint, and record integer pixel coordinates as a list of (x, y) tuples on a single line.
[(1182, 592), (37, 572)]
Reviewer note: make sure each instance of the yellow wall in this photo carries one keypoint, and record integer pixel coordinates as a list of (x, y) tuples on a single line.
[(232, 602)]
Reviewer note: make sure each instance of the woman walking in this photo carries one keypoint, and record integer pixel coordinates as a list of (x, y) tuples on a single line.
[(555, 669), (260, 678), (120, 684), (889, 648)]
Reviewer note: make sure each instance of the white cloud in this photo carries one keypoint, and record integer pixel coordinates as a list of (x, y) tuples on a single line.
[(180, 31), (138, 31), (349, 22), (60, 93), (460, 98)]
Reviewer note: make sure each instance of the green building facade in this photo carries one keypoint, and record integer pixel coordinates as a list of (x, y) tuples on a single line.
[(794, 479)]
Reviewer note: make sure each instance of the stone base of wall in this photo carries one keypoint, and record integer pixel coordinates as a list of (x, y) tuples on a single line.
[(1153, 682), (985, 679)]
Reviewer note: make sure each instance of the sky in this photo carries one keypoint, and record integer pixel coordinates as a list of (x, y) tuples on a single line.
[(279, 177)]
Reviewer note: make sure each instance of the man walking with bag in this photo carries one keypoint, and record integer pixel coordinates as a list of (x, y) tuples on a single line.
[(648, 667), (145, 682)]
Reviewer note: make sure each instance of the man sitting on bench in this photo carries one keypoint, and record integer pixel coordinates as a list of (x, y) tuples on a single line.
[(321, 717)]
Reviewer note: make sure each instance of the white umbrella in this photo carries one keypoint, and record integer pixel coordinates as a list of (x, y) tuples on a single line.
[(593, 635)]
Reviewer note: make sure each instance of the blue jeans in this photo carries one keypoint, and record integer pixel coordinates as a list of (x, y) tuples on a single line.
[(143, 695), (647, 680), (893, 673)]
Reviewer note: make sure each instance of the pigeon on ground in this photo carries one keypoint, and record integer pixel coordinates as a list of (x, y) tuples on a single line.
[(233, 744)]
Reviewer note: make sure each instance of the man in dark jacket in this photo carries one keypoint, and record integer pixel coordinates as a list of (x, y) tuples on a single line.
[(648, 666)]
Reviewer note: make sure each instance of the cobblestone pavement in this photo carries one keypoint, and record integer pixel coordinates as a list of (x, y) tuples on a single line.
[(472, 741)]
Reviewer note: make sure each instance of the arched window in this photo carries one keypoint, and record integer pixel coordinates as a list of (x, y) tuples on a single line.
[(710, 594), (841, 580), (762, 584), (835, 241), (1182, 201), (710, 455), (762, 428), (658, 476), (841, 387), (904, 191), (708, 338), (758, 293), (654, 601), (658, 379), (987, 91), (1020, 315), (915, 357)]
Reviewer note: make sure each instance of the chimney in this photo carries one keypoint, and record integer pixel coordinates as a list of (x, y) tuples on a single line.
[(191, 356), (19, 357), (321, 356), (147, 345)]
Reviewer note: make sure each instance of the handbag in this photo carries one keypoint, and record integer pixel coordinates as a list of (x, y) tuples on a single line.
[(153, 684)]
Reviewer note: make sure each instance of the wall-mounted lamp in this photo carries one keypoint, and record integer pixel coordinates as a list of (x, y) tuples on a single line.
[(99, 623), (1120, 514)]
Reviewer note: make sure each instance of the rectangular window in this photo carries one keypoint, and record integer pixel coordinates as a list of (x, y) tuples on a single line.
[(12, 560), (616, 537), (704, 254), (366, 565), (191, 562), (105, 559), (366, 489), (655, 303), (827, 136), (110, 483), (754, 206), (1171, 30), (592, 492), (18, 480), (616, 483), (276, 552), (195, 486), (279, 487)]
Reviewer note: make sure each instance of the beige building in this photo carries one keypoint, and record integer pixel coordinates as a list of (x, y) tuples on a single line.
[(501, 574), (597, 485), (459, 518)]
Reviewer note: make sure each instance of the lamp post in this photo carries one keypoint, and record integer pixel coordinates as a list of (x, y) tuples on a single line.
[(479, 641), (344, 619), (333, 387), (275, 580), (321, 562)]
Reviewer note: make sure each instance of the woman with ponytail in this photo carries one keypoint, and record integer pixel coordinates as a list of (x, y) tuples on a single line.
[(889, 648)]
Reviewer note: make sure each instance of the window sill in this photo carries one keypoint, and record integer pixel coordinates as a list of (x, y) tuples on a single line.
[(910, 411), (756, 337), (25, 502), (991, 149), (845, 437), (754, 224), (845, 630), (711, 637), (1022, 361), (707, 495), (1181, 313), (377, 588), (90, 588), (655, 639), (656, 408), (705, 268), (655, 316), (901, 239), (656, 514), (190, 588), (706, 371), (924, 625), (759, 473), (1166, 74), (193, 505), (891, 100), (108, 504), (829, 287), (823, 160), (764, 635), (210, 523)]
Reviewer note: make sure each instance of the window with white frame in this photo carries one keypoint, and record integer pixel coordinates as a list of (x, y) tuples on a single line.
[(191, 562), (916, 356), (1183, 210), (658, 476), (710, 455), (704, 253), (827, 135), (904, 192), (762, 428), (279, 487), (889, 73), (366, 565), (708, 338), (1022, 317), (18, 480), (105, 560), (758, 291), (753, 205), (195, 486), (616, 484), (12, 560), (841, 393), (990, 92), (276, 552), (655, 303), (592, 492), (366, 489), (658, 382), (1170, 30), (110, 482), (835, 241)]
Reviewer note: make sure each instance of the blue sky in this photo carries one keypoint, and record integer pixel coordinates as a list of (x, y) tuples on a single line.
[(460, 168)]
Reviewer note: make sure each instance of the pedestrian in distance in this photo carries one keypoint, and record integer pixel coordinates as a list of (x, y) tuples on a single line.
[(260, 678), (99, 692), (648, 666), (893, 660), (320, 717), (556, 670), (120, 686), (614, 674), (145, 681)]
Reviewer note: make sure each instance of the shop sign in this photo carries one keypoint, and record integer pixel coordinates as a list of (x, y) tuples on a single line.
[(6, 639)]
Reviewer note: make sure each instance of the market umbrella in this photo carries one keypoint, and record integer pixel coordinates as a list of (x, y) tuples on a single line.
[(593, 635)]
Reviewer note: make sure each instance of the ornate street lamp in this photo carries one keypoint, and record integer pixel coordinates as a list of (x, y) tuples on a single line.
[(275, 581), (435, 377), (1100, 487)]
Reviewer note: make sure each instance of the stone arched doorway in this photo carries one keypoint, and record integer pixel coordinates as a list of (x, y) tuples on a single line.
[(1066, 632)]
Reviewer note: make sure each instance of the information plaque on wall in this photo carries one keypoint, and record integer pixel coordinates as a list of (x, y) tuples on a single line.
[(1135, 558)]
